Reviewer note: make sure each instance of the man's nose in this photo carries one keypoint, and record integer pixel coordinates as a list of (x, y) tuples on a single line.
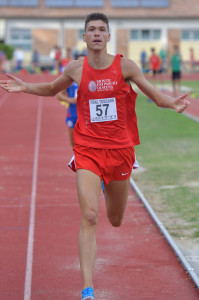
[(96, 32)]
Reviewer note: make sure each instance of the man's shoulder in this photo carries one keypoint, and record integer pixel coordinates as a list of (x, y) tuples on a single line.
[(73, 70), (127, 62), (128, 67), (73, 67), (75, 64)]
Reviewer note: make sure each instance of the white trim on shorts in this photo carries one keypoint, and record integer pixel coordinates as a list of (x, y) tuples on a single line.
[(72, 164)]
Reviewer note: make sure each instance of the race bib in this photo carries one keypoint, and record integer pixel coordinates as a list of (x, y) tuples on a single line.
[(103, 110)]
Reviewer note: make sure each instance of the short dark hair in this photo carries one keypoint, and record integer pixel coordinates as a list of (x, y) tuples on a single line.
[(96, 17)]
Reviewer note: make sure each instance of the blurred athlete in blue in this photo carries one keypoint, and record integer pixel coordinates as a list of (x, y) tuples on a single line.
[(70, 96)]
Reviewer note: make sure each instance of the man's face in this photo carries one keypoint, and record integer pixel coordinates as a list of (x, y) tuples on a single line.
[(97, 35)]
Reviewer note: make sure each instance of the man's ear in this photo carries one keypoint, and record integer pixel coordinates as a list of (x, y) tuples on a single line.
[(84, 38), (109, 37)]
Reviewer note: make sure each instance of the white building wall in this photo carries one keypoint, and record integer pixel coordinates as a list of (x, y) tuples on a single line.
[(61, 25)]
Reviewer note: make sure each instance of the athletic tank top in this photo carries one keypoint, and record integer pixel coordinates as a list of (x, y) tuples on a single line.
[(176, 63), (105, 109), (155, 62)]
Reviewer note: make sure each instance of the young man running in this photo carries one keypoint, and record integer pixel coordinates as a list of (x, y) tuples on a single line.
[(105, 133)]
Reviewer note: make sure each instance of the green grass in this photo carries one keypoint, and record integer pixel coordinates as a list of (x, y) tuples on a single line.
[(192, 84), (169, 152)]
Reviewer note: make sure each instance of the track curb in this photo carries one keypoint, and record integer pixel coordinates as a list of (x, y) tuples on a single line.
[(166, 234)]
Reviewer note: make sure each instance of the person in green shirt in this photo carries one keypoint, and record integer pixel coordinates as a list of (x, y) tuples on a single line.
[(163, 57), (176, 62)]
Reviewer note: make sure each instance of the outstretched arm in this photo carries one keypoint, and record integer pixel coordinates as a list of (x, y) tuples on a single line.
[(16, 85), (133, 73)]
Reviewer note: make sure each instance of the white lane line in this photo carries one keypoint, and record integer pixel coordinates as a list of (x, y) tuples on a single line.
[(192, 117), (3, 99), (29, 261)]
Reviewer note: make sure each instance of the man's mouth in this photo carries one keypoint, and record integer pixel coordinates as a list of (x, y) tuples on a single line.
[(97, 41)]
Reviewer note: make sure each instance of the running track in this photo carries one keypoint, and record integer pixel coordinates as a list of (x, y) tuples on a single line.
[(40, 219)]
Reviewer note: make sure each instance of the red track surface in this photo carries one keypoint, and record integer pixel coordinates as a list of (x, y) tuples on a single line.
[(193, 109), (134, 262)]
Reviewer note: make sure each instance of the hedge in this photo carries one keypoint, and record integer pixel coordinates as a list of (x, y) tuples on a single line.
[(8, 50)]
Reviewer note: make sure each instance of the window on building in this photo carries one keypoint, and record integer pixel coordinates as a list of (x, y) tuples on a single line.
[(185, 35), (72, 3), (134, 34), (125, 3), (59, 3), (190, 35), (21, 38), (15, 3), (196, 35), (145, 34), (3, 2), (140, 3), (89, 3), (156, 34), (155, 3)]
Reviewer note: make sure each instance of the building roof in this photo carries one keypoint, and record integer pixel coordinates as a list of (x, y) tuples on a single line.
[(112, 8)]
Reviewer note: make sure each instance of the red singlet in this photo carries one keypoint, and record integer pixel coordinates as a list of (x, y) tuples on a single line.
[(155, 62), (105, 109)]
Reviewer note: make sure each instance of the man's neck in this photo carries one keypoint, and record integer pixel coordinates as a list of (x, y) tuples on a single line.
[(99, 60)]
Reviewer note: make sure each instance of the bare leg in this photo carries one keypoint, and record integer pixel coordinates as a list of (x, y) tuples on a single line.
[(174, 88), (178, 83), (116, 193), (154, 79), (88, 189)]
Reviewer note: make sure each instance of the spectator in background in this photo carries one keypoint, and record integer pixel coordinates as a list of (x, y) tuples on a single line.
[(75, 53), (52, 53), (70, 96), (154, 65), (84, 52), (35, 60), (19, 57), (57, 60), (143, 58), (192, 59), (163, 67), (163, 60), (176, 62), (2, 61), (67, 59)]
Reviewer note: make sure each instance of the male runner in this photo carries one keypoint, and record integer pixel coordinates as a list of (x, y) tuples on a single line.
[(70, 96), (105, 133)]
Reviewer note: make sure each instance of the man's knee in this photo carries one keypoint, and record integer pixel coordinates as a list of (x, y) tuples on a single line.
[(90, 218), (115, 221)]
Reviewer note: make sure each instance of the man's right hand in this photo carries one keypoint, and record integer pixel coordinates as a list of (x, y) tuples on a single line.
[(13, 85)]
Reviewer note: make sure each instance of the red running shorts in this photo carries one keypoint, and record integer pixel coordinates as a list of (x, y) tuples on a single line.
[(108, 164)]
